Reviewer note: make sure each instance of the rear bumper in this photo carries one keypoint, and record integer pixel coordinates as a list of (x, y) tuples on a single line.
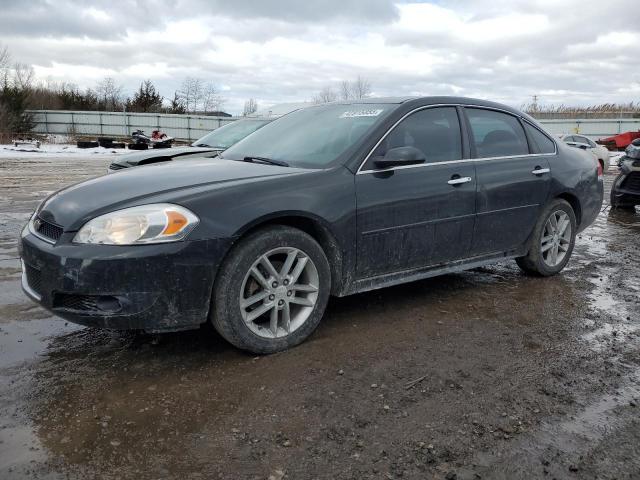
[(591, 203), (163, 287)]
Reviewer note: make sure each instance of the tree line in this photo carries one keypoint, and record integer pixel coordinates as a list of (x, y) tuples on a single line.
[(19, 92)]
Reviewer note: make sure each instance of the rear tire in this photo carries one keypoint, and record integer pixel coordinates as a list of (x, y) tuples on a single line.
[(550, 245), (266, 306)]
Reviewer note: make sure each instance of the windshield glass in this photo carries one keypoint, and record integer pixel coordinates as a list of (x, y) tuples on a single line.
[(230, 133), (312, 137)]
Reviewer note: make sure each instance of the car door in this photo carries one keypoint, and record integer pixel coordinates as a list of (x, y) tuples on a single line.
[(512, 182), (418, 215)]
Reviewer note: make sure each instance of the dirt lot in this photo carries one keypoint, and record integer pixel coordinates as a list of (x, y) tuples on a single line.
[(484, 374)]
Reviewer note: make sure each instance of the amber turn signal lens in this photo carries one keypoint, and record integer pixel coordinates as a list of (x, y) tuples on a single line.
[(175, 222)]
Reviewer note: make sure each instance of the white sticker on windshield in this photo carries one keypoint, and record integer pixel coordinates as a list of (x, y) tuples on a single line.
[(362, 113)]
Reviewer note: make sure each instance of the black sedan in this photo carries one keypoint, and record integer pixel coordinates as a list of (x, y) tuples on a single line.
[(329, 200), (208, 146)]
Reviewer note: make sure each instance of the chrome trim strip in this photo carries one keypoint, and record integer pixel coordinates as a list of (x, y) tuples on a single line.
[(467, 160), (25, 284), (449, 162)]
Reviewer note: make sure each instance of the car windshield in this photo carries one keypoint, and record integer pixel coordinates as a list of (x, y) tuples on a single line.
[(230, 133), (312, 137)]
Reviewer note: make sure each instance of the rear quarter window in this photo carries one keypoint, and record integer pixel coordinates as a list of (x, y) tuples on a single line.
[(542, 143)]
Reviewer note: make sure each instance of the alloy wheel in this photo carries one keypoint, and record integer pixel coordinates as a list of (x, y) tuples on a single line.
[(279, 292), (556, 238)]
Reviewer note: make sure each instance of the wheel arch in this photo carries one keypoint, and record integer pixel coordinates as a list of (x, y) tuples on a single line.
[(311, 225), (575, 204)]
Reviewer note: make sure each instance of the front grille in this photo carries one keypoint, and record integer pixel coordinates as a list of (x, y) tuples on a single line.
[(632, 182), (85, 303), (46, 229), (115, 166), (33, 278)]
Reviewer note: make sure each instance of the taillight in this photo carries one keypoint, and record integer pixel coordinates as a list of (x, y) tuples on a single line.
[(600, 172)]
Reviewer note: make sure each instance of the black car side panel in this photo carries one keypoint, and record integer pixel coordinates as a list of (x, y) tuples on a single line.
[(411, 218), (510, 198), (575, 177), (324, 197)]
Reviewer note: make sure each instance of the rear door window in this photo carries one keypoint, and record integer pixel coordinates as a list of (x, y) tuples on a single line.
[(496, 134), (543, 143)]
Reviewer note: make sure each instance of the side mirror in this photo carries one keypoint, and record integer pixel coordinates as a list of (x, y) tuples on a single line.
[(398, 156), (583, 146)]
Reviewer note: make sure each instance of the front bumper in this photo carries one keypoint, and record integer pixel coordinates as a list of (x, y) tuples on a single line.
[(162, 287), (626, 190)]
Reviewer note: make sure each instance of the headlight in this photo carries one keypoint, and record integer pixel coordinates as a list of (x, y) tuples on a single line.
[(156, 223)]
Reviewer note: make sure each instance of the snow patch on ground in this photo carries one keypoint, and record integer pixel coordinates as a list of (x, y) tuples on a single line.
[(614, 158), (59, 150)]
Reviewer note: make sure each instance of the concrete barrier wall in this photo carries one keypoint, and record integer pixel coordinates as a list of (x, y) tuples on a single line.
[(593, 128), (192, 127), (119, 124)]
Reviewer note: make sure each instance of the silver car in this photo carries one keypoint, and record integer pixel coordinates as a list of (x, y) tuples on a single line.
[(580, 141)]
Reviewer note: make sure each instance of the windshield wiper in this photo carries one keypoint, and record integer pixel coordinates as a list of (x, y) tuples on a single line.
[(269, 161)]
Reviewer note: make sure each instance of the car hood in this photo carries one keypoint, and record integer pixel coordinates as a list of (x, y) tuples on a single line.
[(71, 207), (147, 156)]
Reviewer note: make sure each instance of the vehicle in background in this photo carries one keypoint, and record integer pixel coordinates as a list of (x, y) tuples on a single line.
[(142, 141), (619, 142), (208, 146), (333, 199), (625, 191), (580, 141), (212, 143)]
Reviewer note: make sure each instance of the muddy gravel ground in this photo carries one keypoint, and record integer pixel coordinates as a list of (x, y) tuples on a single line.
[(483, 374)]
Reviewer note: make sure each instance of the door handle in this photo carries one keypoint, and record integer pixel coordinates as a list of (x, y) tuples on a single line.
[(540, 171), (455, 180)]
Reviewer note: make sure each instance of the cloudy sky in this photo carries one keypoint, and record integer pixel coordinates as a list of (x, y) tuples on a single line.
[(573, 51)]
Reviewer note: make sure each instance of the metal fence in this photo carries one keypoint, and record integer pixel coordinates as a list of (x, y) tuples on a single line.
[(121, 124), (594, 128), (192, 127)]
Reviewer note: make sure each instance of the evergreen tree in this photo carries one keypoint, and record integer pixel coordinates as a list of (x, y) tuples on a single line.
[(146, 99)]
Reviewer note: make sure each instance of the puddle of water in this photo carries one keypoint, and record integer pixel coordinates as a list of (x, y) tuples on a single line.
[(22, 341), (20, 447), (599, 417)]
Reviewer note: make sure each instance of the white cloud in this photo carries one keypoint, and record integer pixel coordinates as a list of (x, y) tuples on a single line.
[(287, 50)]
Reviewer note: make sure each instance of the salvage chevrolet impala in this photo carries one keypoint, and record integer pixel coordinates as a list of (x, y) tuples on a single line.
[(329, 200)]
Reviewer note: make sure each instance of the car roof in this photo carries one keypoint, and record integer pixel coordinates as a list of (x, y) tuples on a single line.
[(431, 100)]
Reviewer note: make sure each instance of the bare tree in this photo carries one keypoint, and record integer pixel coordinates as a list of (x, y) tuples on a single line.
[(109, 94), (345, 90), (5, 60), (5, 57), (23, 76), (250, 106), (326, 95), (355, 90), (211, 99), (191, 93), (360, 88)]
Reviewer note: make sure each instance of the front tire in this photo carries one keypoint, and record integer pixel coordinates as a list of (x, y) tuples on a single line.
[(552, 241), (271, 291)]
